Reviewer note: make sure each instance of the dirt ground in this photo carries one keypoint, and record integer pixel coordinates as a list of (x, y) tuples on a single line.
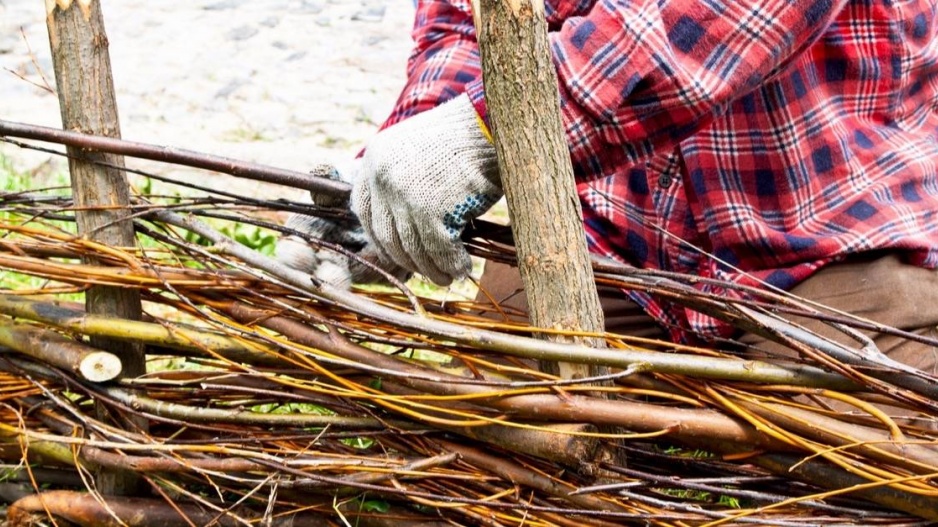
[(290, 83)]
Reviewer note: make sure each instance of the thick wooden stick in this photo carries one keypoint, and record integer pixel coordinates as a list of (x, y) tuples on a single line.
[(91, 364), (314, 182), (84, 509), (536, 173), (88, 105)]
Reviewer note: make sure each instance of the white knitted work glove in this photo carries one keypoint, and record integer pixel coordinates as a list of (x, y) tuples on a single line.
[(419, 183)]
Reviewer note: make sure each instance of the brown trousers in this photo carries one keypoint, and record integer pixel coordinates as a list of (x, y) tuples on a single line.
[(879, 288)]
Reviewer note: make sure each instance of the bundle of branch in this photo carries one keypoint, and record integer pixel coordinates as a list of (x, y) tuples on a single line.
[(271, 398)]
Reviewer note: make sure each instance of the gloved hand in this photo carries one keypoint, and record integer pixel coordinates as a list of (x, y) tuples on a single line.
[(328, 265), (419, 182)]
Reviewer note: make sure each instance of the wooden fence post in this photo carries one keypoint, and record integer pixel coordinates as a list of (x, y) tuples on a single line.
[(101, 194), (536, 172)]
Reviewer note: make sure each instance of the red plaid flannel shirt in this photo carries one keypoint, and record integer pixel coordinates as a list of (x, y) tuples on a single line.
[(777, 136)]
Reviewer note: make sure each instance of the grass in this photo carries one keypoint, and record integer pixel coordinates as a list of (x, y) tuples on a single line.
[(245, 134), (729, 502), (14, 181)]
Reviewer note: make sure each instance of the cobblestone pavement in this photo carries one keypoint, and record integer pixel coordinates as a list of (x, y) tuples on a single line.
[(290, 83)]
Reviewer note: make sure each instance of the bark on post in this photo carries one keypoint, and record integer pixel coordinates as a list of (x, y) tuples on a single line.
[(86, 98), (536, 172)]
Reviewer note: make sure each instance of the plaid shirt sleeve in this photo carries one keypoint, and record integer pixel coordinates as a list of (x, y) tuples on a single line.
[(640, 74), (647, 74), (445, 58)]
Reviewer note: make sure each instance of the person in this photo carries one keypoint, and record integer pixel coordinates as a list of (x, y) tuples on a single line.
[(791, 144)]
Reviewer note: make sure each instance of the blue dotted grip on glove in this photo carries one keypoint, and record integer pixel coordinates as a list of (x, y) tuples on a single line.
[(470, 207)]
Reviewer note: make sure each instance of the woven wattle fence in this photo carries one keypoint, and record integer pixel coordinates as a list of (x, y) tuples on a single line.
[(275, 400)]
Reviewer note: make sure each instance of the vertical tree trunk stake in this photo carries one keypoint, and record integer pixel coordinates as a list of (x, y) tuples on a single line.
[(536, 172), (86, 98)]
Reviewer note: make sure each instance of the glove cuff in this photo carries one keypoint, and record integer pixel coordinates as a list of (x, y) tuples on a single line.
[(485, 129)]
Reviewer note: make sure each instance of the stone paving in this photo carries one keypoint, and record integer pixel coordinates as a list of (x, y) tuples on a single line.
[(290, 83)]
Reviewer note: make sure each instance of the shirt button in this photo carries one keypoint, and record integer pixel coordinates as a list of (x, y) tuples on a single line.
[(664, 181)]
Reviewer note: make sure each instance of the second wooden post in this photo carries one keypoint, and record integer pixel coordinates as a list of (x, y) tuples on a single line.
[(536, 172)]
